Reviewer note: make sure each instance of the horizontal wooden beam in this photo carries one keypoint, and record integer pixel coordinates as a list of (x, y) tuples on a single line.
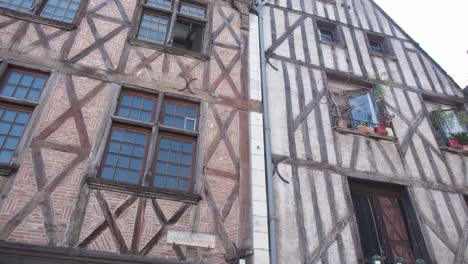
[(404, 180), (12, 252)]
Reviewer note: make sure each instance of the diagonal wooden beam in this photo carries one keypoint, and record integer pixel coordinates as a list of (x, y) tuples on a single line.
[(163, 230), (221, 27), (145, 61), (111, 222), (328, 240), (219, 136), (103, 225), (138, 227), (231, 199), (47, 209), (440, 234), (284, 36), (224, 136), (38, 198), (411, 130), (225, 72), (220, 229), (462, 248), (308, 109), (228, 25)]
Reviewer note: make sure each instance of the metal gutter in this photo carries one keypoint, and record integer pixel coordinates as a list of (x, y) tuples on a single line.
[(267, 140)]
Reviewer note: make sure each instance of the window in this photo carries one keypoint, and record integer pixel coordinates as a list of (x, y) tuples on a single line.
[(328, 32), (58, 10), (353, 105), (127, 148), (165, 23), (386, 223), (450, 122), (379, 44), (20, 90)]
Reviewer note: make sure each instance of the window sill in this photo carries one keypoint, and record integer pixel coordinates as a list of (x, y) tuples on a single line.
[(142, 191), (7, 169), (336, 44), (373, 135), (38, 19), (178, 130), (383, 55), (329, 1), (167, 49), (463, 152)]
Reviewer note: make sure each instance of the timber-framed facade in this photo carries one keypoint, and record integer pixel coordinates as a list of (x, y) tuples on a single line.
[(130, 140), (350, 95)]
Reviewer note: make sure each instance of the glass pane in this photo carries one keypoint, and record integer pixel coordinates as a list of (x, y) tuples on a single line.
[(124, 157), (180, 116), (192, 10), (12, 124), (363, 110), (136, 107), (153, 28), (23, 6), (23, 85), (63, 10), (174, 163)]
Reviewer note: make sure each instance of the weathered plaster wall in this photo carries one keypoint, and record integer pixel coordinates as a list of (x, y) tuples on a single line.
[(315, 220)]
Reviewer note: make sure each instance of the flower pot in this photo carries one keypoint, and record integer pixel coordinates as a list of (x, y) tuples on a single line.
[(453, 143), (382, 130), (364, 128), (465, 147)]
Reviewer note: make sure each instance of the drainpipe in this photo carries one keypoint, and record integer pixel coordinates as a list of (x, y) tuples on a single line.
[(267, 140)]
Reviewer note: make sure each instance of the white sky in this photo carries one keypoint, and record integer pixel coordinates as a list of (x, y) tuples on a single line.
[(440, 28)]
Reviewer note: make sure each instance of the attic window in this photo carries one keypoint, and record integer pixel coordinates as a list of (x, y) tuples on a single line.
[(167, 24), (328, 32), (379, 44)]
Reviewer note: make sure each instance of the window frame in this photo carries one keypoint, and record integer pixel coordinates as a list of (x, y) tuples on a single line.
[(412, 226), (154, 129), (386, 48), (173, 15), (36, 16), (33, 107), (333, 28)]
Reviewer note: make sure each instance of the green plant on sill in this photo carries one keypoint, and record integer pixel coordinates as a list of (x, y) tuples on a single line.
[(448, 119), (462, 137), (379, 92)]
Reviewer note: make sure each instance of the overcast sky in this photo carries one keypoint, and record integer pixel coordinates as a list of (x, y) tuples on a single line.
[(440, 28)]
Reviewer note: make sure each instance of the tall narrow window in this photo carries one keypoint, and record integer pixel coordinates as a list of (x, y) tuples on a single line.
[(25, 88), (180, 25), (58, 10), (172, 167), (385, 226), (379, 44)]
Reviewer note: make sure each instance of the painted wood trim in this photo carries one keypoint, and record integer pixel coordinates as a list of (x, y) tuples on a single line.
[(142, 191)]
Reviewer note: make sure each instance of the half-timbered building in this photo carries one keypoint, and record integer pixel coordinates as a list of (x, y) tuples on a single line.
[(124, 129), (363, 121)]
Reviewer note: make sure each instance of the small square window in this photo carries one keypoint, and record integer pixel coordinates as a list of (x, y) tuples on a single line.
[(379, 44), (136, 106), (328, 32), (181, 26), (153, 28), (12, 125), (58, 10), (188, 35), (178, 115), (22, 84), (450, 123)]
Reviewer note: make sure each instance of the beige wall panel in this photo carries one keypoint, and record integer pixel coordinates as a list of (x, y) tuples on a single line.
[(341, 59), (352, 50), (362, 43), (327, 56), (310, 34), (305, 176), (400, 54)]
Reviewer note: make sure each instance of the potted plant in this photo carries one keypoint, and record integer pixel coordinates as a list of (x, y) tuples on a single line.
[(446, 120), (399, 260), (385, 122), (420, 261), (461, 138)]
